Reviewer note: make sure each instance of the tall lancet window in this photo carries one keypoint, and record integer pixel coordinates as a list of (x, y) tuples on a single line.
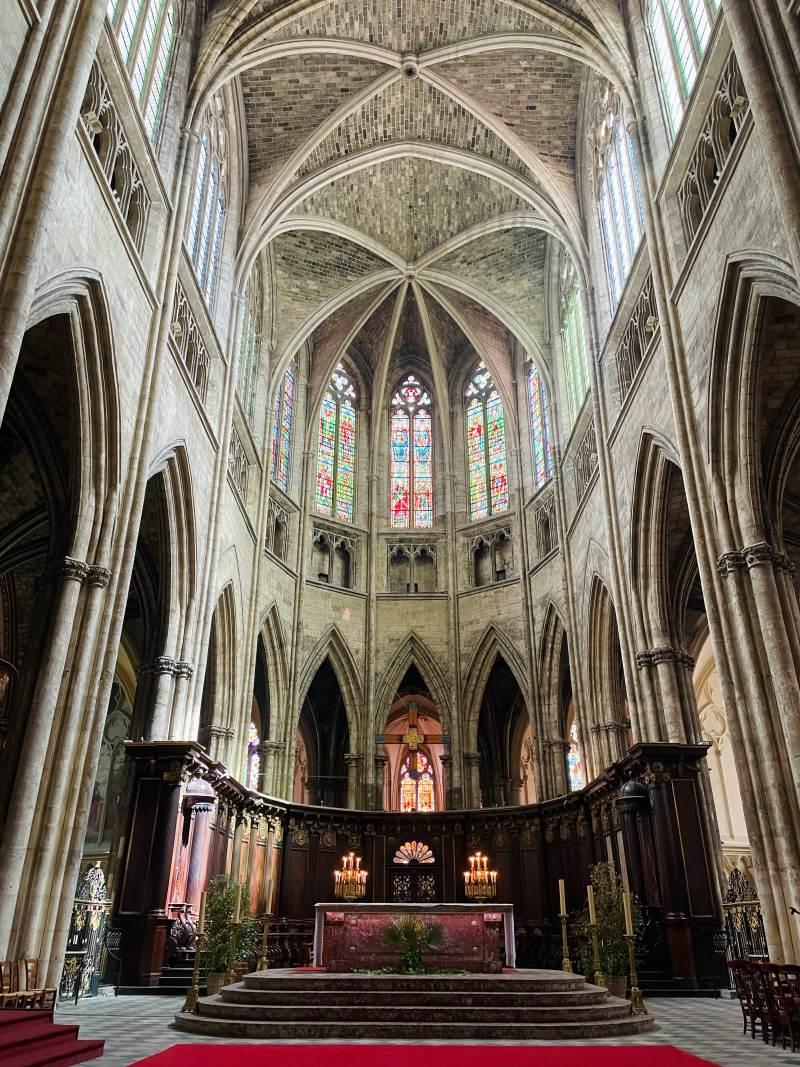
[(282, 419), (146, 32), (336, 454), (618, 193), (417, 791), (411, 442), (206, 222), (680, 30), (573, 338), (487, 469), (541, 436), (250, 342)]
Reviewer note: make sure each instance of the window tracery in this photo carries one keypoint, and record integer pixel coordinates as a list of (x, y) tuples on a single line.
[(336, 452), (487, 470), (618, 192), (207, 217), (680, 30), (541, 436), (573, 339), (250, 341), (146, 32), (282, 420), (411, 450)]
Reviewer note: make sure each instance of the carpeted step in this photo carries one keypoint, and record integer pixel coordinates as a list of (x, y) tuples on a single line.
[(57, 1053), (238, 994), (336, 1013), (412, 1031), (32, 1039)]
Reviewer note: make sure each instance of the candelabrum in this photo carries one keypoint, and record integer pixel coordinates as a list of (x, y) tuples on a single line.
[(263, 961), (479, 882), (599, 977), (637, 1001), (193, 994), (566, 962), (230, 974), (350, 883)]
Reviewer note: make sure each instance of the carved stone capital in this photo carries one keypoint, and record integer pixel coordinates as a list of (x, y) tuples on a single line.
[(650, 657), (757, 555), (159, 665), (70, 569), (98, 576), (183, 669)]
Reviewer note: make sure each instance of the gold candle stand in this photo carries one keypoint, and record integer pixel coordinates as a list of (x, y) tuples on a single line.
[(263, 962), (566, 962), (230, 974), (599, 977), (193, 994), (637, 1001)]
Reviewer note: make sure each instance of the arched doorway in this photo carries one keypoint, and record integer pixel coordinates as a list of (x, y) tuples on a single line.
[(503, 725), (321, 742), (413, 744)]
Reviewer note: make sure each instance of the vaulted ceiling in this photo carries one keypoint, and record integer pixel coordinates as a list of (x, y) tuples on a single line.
[(429, 143)]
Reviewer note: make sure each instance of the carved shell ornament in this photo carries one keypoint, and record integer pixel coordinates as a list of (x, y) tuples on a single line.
[(414, 852)]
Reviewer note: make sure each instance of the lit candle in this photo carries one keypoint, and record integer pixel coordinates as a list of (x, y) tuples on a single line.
[(358, 862), (472, 862), (466, 877), (562, 897), (237, 908), (626, 903), (201, 918), (485, 862)]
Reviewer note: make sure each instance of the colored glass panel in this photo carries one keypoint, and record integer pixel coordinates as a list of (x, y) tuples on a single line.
[(540, 428), (423, 469), (253, 757), (345, 466), (416, 783), (287, 418), (497, 454), (476, 461), (401, 470), (326, 454), (577, 777)]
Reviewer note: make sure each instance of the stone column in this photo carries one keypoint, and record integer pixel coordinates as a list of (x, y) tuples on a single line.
[(379, 800), (472, 761), (447, 786), (354, 761), (270, 752), (236, 851)]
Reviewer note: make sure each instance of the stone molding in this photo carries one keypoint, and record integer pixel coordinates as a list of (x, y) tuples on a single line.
[(166, 665), (650, 657), (756, 555)]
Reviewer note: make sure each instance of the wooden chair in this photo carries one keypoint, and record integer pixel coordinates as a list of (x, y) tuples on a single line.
[(9, 976), (760, 1001), (785, 982), (31, 971), (741, 986)]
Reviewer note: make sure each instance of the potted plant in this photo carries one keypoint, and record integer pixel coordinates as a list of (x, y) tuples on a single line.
[(610, 914), (412, 937), (220, 931)]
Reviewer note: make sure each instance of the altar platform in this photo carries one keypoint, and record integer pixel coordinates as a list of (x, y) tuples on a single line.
[(308, 1004), (349, 937)]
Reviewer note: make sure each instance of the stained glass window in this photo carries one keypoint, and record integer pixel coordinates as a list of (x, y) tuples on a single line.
[(487, 470), (541, 437), (618, 194), (250, 342), (206, 223), (411, 451), (680, 30), (146, 31), (573, 338), (253, 757), (575, 771), (282, 418), (417, 791), (336, 454)]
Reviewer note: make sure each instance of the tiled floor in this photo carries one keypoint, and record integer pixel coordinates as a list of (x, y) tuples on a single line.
[(135, 1027)]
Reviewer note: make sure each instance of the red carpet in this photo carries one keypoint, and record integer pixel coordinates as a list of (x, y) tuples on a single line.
[(422, 1056), (32, 1039)]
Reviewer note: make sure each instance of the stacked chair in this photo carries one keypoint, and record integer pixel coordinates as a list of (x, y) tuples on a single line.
[(769, 996), (20, 988)]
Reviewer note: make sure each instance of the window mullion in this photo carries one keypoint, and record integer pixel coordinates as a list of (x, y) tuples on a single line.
[(337, 431), (152, 61), (697, 50), (487, 461), (136, 39)]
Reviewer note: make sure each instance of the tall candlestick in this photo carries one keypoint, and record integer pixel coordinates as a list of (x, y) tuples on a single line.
[(590, 898), (626, 903), (237, 908), (201, 918), (562, 897)]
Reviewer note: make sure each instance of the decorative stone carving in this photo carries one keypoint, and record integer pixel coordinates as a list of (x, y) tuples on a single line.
[(188, 341), (649, 657), (585, 461), (639, 332)]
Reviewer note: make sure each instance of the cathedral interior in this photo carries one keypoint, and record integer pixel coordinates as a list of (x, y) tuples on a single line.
[(400, 444)]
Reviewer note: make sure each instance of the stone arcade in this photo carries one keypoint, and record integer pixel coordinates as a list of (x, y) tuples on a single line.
[(399, 443)]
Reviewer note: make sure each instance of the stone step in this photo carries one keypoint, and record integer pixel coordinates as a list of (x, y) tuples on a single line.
[(277, 996), (414, 1030), (510, 982), (334, 1012)]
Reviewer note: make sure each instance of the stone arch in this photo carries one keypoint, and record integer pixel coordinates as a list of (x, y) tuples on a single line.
[(554, 674), (412, 651), (608, 704), (271, 632), (333, 647), (218, 701), (494, 642)]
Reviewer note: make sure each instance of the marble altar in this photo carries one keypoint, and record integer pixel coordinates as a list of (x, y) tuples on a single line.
[(349, 937)]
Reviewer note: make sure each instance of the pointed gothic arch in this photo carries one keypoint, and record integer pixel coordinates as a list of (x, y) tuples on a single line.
[(412, 651), (332, 646), (218, 702), (494, 642), (610, 724)]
